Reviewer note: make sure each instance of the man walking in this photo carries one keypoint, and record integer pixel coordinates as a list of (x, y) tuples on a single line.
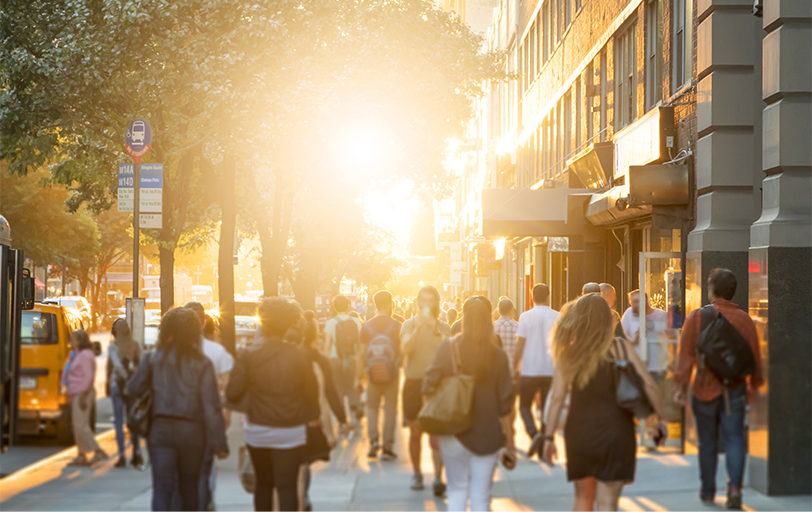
[(610, 296), (341, 343), (380, 344), (506, 328), (717, 406), (421, 335), (533, 361), (656, 323)]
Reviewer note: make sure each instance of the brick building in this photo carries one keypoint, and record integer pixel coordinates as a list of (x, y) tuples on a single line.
[(635, 147)]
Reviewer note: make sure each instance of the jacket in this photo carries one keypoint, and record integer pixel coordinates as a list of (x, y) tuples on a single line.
[(187, 393), (81, 372), (279, 382)]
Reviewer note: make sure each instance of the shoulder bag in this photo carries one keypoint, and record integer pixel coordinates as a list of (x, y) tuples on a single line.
[(629, 390), (139, 417), (447, 411)]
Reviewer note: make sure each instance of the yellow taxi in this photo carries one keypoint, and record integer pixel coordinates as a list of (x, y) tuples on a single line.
[(43, 404)]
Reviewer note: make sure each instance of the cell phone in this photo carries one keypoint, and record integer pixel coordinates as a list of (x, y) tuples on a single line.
[(508, 460)]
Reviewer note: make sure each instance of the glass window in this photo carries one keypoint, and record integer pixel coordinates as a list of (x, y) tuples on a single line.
[(38, 328), (654, 58), (545, 37), (567, 127), (625, 69), (683, 53), (578, 120), (604, 92)]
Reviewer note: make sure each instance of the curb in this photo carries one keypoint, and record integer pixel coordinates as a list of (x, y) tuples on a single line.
[(67, 452)]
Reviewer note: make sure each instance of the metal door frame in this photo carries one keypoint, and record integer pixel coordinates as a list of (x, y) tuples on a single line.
[(643, 343)]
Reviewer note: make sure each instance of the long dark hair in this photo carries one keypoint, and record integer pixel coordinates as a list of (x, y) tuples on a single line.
[(124, 338), (180, 332), (83, 340), (477, 335)]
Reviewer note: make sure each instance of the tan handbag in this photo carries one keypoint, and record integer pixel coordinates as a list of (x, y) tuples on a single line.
[(246, 469), (447, 411)]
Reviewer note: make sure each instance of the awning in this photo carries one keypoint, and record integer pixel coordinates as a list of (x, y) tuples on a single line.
[(119, 278), (40, 284), (605, 208), (544, 212)]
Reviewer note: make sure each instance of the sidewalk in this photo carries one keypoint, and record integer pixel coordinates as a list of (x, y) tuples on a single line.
[(351, 482)]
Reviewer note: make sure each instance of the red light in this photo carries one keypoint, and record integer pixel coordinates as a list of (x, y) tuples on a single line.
[(754, 267)]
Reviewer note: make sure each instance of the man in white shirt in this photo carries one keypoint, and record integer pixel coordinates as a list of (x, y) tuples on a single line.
[(223, 363), (656, 335), (533, 360)]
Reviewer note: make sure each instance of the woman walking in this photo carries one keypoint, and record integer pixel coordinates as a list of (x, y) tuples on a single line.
[(82, 396), (471, 456), (599, 434), (187, 422), (282, 399), (123, 357)]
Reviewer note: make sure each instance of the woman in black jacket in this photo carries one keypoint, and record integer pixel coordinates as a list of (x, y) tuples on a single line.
[(470, 457), (187, 422), (282, 398)]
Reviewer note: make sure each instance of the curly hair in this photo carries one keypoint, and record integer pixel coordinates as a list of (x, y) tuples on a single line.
[(582, 338), (277, 315)]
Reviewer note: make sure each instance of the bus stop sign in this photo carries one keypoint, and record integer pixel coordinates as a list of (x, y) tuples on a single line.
[(138, 138)]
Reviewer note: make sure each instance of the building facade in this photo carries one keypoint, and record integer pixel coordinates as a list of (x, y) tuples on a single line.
[(644, 143)]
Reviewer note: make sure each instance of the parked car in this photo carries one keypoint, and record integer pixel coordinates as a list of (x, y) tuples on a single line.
[(76, 302), (43, 403)]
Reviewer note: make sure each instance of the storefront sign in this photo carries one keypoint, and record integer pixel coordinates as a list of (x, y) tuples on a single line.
[(643, 142)]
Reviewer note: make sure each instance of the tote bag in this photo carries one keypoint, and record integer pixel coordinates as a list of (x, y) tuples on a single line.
[(447, 411), (629, 391)]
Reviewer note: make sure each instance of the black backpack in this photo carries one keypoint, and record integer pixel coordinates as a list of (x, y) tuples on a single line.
[(722, 349)]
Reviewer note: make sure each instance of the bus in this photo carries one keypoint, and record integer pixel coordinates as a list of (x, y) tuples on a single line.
[(16, 294)]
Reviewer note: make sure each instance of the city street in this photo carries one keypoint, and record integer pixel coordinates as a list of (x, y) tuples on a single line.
[(352, 482)]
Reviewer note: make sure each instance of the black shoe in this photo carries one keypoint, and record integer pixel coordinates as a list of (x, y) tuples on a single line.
[(121, 463), (137, 461), (535, 446), (707, 499), (734, 500), (373, 450), (438, 488), (388, 454)]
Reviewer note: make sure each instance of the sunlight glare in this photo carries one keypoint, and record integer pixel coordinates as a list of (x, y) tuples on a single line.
[(393, 207)]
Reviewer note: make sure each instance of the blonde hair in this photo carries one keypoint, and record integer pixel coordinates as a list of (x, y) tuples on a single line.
[(582, 338)]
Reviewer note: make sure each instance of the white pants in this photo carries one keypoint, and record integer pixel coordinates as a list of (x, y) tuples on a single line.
[(469, 475)]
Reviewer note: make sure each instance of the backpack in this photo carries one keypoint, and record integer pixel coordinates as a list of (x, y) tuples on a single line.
[(346, 338), (722, 349), (380, 358)]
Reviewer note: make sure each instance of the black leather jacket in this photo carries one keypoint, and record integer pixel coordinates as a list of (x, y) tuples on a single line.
[(188, 392), (279, 380)]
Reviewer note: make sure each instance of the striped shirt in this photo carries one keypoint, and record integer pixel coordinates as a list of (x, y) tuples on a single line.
[(506, 328)]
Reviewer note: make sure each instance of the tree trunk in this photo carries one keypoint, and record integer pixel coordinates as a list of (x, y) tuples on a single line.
[(225, 264), (166, 257), (275, 242)]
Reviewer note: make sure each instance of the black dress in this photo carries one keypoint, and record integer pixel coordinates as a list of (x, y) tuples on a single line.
[(599, 435)]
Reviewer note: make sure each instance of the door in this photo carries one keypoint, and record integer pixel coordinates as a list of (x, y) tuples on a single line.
[(661, 281)]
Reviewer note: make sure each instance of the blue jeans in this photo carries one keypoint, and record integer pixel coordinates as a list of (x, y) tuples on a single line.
[(119, 404), (176, 451), (710, 416)]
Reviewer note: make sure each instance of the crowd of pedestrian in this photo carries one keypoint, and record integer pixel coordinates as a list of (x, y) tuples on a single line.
[(584, 367)]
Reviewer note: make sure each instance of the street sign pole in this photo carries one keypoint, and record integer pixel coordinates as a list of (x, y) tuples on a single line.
[(136, 215), (137, 142)]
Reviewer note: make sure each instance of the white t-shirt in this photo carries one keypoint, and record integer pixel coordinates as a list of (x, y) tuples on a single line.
[(219, 356), (260, 436), (535, 326), (656, 324)]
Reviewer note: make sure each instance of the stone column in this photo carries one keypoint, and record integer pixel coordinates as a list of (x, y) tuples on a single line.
[(728, 161), (781, 257)]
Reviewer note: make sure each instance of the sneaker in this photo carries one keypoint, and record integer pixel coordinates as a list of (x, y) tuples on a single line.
[(734, 499), (535, 446), (707, 500), (121, 463), (137, 461), (388, 454), (98, 456), (373, 450), (438, 488), (79, 461), (417, 482)]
